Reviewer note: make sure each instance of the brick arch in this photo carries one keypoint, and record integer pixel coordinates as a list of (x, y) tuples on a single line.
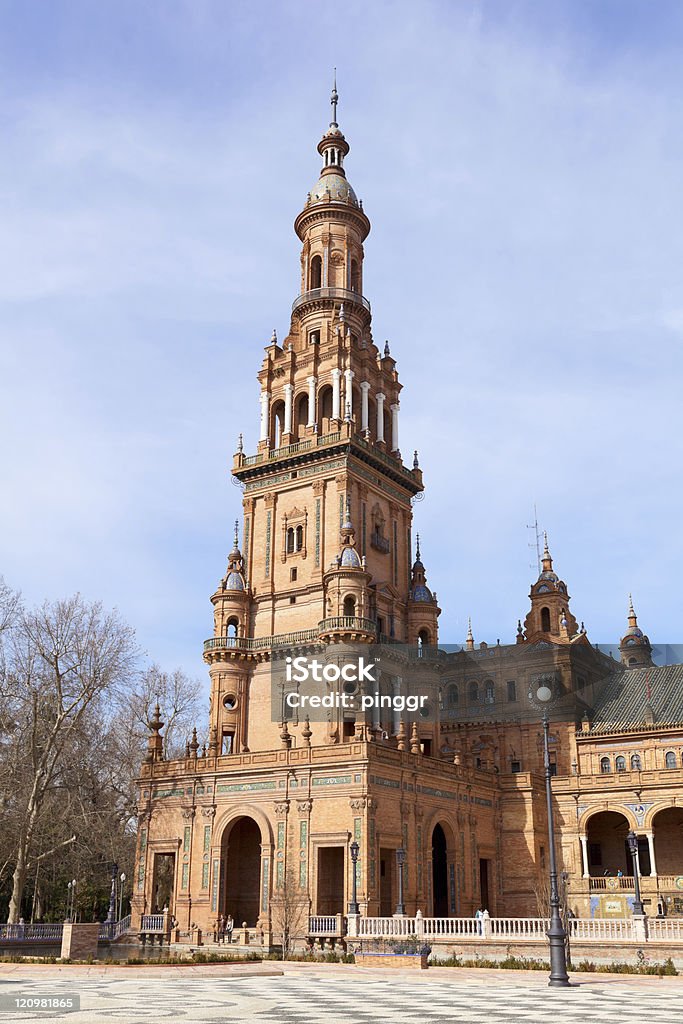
[(662, 805), (232, 814), (600, 809)]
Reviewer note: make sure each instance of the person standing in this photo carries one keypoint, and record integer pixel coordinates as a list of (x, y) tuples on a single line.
[(229, 925)]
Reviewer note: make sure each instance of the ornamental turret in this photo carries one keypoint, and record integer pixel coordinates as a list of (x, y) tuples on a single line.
[(635, 648), (549, 618), (423, 609)]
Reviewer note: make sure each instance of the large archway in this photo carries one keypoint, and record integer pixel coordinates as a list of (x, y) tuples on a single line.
[(241, 860), (607, 848), (439, 872), (667, 826)]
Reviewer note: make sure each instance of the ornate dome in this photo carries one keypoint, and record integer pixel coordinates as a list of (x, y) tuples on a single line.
[(235, 580), (421, 593), (331, 187), (350, 559)]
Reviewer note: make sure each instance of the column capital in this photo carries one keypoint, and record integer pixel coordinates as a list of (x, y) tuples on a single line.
[(365, 385), (349, 373), (395, 407), (312, 380), (336, 372), (288, 388), (380, 396)]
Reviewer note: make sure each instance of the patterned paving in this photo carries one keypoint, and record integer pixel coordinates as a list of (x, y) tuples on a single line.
[(355, 997)]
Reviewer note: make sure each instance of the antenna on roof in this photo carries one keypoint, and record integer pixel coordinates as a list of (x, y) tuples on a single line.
[(536, 543)]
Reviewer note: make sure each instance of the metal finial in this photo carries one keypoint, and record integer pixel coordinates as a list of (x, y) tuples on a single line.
[(386, 348), (240, 443), (333, 100), (469, 628), (237, 526), (416, 462), (417, 552), (273, 337)]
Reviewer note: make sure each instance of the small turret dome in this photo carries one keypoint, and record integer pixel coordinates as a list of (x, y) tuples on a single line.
[(331, 187), (350, 559), (235, 581)]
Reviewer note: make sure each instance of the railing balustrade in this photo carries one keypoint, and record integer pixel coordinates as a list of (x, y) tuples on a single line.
[(152, 923), (343, 294), (612, 883), (35, 932), (348, 622), (665, 929)]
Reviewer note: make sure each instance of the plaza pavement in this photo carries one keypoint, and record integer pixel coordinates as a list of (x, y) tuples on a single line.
[(337, 994)]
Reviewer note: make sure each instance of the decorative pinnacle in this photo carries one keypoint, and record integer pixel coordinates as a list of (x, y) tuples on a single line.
[(237, 528), (273, 337), (546, 552), (240, 443), (417, 553), (469, 629), (416, 461), (333, 100), (386, 348)]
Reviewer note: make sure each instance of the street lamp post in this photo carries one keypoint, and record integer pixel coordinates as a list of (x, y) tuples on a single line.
[(122, 879), (400, 861), (111, 913), (353, 905), (557, 935), (632, 840), (72, 900)]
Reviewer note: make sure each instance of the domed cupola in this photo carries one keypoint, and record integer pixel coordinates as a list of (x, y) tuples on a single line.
[(231, 599), (549, 617), (234, 578), (635, 647), (419, 591), (423, 608), (346, 592)]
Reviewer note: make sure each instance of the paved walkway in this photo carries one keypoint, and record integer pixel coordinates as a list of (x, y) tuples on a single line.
[(331, 994)]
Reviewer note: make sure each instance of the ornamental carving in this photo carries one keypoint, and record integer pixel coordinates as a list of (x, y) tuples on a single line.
[(209, 812), (358, 803), (318, 486), (281, 808), (188, 813), (304, 806)]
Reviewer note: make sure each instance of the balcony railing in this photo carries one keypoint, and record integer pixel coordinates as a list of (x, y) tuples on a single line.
[(347, 624), (341, 294), (613, 883), (260, 643), (152, 923), (289, 449)]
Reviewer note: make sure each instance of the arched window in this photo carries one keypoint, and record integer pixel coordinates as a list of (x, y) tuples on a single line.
[(355, 276), (324, 407), (231, 628), (299, 538), (473, 693), (277, 423), (605, 766), (670, 760), (635, 763), (453, 695), (350, 605), (290, 540), (300, 415), (316, 275), (490, 692), (512, 690), (620, 764), (545, 620), (633, 661), (423, 635)]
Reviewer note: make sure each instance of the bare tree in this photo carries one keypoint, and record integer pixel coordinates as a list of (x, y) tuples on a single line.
[(62, 660), (180, 700), (289, 912)]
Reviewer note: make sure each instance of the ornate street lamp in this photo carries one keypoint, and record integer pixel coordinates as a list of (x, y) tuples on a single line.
[(122, 879), (632, 840), (556, 933), (400, 861), (111, 913), (353, 905)]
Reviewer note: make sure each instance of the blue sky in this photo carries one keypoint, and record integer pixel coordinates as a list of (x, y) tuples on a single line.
[(521, 164)]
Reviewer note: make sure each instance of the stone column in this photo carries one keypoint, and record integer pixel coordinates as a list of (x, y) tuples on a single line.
[(312, 381), (288, 389), (336, 393), (348, 397), (584, 855), (265, 408), (380, 415), (396, 715), (364, 405), (394, 427), (651, 847)]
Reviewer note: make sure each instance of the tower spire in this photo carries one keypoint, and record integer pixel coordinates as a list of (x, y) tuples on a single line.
[(334, 98)]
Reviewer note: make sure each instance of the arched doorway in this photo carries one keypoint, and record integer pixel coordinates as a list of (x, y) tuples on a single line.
[(607, 849), (241, 871), (439, 872), (667, 826)]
